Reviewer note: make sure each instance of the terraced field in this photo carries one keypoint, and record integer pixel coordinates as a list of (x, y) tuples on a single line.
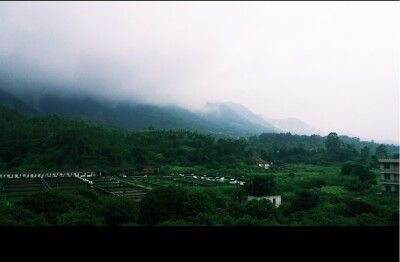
[(15, 189), (119, 188)]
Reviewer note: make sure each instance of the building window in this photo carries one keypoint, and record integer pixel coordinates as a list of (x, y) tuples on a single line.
[(387, 176), (388, 188), (386, 166), (274, 201)]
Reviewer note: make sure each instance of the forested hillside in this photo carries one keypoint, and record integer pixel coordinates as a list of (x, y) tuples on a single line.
[(317, 149), (28, 142)]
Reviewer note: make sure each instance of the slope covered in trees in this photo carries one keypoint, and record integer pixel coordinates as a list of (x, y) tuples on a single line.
[(28, 142)]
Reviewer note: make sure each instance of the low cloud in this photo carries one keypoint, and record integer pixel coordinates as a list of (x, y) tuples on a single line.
[(332, 65)]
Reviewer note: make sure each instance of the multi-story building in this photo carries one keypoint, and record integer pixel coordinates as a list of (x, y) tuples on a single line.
[(389, 175)]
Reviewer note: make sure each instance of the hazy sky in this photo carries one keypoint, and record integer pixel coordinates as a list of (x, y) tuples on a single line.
[(334, 65)]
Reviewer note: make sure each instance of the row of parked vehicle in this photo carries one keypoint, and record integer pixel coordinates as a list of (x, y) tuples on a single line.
[(211, 178)]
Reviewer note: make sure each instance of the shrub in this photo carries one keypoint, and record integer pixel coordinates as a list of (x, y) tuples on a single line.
[(261, 209), (357, 207), (305, 200), (161, 204)]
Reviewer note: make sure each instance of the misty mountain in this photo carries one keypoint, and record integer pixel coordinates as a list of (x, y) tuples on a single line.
[(11, 101), (126, 115), (123, 115), (295, 126), (236, 117), (222, 120)]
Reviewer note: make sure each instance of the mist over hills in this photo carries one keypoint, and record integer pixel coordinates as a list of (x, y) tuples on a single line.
[(9, 100), (237, 118), (134, 116), (234, 114), (221, 120), (295, 126)]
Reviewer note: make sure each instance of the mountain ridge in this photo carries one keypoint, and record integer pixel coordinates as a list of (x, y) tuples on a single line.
[(295, 126), (13, 102), (220, 119)]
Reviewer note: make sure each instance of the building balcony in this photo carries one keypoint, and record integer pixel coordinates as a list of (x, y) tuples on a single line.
[(389, 170), (390, 192), (393, 181)]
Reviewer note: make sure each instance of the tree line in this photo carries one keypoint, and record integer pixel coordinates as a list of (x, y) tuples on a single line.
[(52, 142), (178, 206)]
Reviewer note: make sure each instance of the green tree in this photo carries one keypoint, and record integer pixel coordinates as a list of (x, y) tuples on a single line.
[(305, 200), (381, 152), (357, 207), (365, 153), (50, 204), (261, 209), (260, 185), (235, 209), (84, 218), (348, 151), (198, 202), (253, 141), (161, 204), (333, 145), (117, 211), (354, 169)]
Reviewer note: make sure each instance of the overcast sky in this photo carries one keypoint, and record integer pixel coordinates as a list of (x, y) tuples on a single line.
[(333, 65)]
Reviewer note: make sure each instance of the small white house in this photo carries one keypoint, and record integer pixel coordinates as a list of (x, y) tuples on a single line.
[(262, 163), (276, 200)]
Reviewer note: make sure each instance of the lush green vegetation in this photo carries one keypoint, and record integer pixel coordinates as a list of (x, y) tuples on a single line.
[(322, 181), (28, 142), (177, 205)]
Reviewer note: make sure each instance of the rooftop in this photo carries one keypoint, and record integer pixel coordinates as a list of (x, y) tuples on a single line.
[(260, 161)]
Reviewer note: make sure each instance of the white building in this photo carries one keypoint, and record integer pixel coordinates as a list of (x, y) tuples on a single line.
[(262, 163)]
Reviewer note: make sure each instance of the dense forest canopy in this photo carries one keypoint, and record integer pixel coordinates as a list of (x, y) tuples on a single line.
[(28, 142)]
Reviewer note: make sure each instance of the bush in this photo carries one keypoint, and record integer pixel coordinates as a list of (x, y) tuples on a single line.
[(304, 200), (161, 204), (368, 219), (118, 210), (247, 220), (333, 190), (198, 202), (357, 207), (235, 209), (80, 219), (49, 204), (260, 185), (261, 209), (353, 169)]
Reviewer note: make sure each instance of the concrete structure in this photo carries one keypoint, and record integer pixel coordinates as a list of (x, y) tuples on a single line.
[(276, 200), (49, 173), (389, 169)]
